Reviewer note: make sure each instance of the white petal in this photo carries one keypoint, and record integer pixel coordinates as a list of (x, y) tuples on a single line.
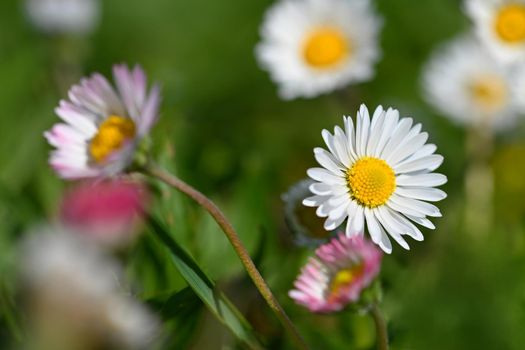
[(422, 221), (352, 209), (325, 209), (327, 161), (77, 118), (423, 207), (363, 129), (149, 113), (395, 230), (391, 120), (404, 209), (422, 180), (401, 131), (350, 137), (340, 143), (402, 225), (339, 189), (413, 231), (407, 148), (329, 141), (315, 201), (358, 221), (377, 233), (422, 193), (424, 151), (320, 188), (373, 226), (331, 224), (323, 175), (336, 217), (377, 117), (426, 163), (378, 121), (339, 200)]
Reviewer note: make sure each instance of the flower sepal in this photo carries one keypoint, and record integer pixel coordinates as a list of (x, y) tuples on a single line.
[(142, 156)]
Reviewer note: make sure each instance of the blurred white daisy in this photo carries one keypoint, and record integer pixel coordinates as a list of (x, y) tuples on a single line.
[(379, 173), (518, 83), (102, 126), (75, 297), (467, 84), (64, 16), (312, 47), (500, 24)]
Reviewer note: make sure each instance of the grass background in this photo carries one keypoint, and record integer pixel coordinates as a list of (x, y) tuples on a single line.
[(224, 130)]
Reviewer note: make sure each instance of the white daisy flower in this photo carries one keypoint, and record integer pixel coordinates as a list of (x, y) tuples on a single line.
[(500, 24), (518, 83), (102, 126), (312, 47), (467, 84), (378, 173), (76, 298), (64, 16)]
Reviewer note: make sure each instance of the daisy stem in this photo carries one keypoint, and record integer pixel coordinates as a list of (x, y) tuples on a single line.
[(380, 323), (239, 248), (479, 181)]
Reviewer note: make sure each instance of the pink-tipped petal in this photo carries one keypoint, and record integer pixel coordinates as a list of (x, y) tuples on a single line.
[(337, 275)]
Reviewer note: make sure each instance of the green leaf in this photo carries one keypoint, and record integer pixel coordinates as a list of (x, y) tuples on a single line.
[(203, 286), (182, 308)]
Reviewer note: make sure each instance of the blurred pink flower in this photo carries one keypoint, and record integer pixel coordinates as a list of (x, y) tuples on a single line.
[(109, 212), (337, 274)]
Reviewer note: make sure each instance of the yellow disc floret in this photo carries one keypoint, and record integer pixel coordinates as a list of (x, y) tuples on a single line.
[(111, 136), (325, 48), (490, 92), (509, 23), (372, 181), (343, 279)]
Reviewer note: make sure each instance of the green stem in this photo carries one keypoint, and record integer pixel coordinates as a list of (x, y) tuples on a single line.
[(381, 330), (479, 181), (239, 248)]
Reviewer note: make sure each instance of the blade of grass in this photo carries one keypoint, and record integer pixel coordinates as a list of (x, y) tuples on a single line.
[(182, 310), (217, 302)]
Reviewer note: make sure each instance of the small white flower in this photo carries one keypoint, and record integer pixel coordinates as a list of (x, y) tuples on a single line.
[(64, 16), (378, 173), (311, 47), (468, 85), (500, 24), (76, 297), (102, 126)]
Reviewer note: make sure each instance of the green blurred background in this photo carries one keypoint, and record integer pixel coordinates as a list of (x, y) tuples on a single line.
[(224, 130)]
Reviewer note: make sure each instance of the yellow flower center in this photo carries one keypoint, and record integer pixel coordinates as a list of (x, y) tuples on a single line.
[(343, 278), (489, 91), (510, 23), (372, 181), (111, 136), (325, 48)]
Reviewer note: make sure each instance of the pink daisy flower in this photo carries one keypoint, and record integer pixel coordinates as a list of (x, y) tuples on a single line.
[(109, 212), (337, 274), (102, 125)]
